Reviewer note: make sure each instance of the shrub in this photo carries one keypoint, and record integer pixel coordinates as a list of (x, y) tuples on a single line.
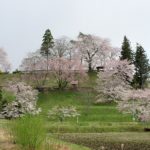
[(28, 132), (61, 112)]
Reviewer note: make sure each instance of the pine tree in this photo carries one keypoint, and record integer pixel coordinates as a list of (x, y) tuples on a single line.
[(46, 47), (142, 67), (126, 52), (47, 44)]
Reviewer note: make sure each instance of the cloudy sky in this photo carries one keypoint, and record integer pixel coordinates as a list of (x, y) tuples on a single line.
[(23, 22)]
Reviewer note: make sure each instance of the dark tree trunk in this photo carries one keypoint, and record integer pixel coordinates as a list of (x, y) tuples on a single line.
[(90, 67)]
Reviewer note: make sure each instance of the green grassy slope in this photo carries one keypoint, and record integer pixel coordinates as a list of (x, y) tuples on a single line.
[(93, 118), (89, 112)]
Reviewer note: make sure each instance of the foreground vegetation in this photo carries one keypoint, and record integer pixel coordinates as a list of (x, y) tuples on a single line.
[(114, 128), (28, 133), (98, 126), (110, 141)]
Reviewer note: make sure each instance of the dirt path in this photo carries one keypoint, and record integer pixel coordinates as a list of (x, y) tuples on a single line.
[(5, 142)]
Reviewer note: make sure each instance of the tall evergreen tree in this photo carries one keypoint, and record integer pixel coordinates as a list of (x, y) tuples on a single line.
[(46, 47), (126, 52), (142, 67), (47, 43)]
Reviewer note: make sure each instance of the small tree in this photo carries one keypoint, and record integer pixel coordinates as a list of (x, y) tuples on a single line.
[(142, 67), (61, 112)]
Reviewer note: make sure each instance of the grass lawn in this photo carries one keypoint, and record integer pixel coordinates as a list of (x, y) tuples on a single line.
[(85, 104), (93, 118)]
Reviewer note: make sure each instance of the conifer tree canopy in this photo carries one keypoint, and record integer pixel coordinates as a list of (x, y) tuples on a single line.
[(126, 52), (142, 67), (47, 44)]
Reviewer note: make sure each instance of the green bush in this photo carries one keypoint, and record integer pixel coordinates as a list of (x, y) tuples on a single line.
[(110, 141), (5, 97), (28, 132)]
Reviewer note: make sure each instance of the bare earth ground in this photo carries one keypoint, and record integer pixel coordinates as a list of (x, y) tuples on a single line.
[(5, 142)]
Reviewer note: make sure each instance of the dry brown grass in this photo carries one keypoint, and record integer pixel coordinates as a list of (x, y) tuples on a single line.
[(5, 141)]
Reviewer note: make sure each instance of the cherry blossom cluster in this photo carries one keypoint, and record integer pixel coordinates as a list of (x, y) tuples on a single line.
[(63, 112), (25, 101), (136, 102), (113, 83)]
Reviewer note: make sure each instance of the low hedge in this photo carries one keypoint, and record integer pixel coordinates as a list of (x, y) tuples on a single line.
[(110, 141)]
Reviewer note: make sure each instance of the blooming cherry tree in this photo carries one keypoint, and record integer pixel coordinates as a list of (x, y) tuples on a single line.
[(93, 49), (136, 102), (65, 71), (4, 63), (115, 80), (62, 112), (34, 67), (63, 48), (25, 101), (114, 84)]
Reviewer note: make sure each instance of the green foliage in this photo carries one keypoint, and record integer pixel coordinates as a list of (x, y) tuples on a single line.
[(1, 99), (45, 50), (1, 72), (142, 67), (16, 72), (8, 96), (47, 43), (28, 132), (5, 97), (110, 141), (126, 52)]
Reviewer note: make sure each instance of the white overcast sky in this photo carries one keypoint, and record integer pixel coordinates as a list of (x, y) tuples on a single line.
[(23, 22)]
